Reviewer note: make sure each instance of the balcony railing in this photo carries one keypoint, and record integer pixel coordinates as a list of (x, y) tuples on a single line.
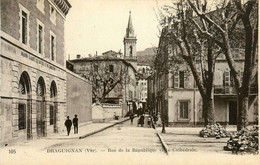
[(229, 90)]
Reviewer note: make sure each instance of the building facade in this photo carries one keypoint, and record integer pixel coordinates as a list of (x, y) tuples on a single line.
[(33, 74), (107, 69), (178, 100), (145, 64)]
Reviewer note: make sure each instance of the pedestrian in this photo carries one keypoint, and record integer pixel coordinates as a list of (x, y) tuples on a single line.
[(138, 121), (131, 118), (68, 124), (75, 124), (142, 120), (149, 121)]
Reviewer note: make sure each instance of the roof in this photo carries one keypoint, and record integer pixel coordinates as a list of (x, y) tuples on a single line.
[(103, 58)]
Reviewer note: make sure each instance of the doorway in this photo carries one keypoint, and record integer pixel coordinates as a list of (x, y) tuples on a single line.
[(40, 123), (232, 112)]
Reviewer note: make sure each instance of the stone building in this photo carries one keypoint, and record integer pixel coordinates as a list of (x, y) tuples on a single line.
[(114, 68), (33, 75), (178, 100)]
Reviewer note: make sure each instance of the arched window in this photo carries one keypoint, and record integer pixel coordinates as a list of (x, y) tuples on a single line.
[(131, 51), (53, 94), (53, 89), (24, 84), (40, 90)]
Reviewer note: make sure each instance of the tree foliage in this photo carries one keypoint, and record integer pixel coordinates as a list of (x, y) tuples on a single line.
[(106, 76)]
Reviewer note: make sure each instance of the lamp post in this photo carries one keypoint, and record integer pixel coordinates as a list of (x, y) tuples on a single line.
[(163, 127)]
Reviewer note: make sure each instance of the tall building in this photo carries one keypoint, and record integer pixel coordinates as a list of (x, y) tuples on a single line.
[(34, 80), (130, 43)]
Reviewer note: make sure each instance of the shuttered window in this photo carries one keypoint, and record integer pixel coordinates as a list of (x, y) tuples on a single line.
[(226, 78), (181, 79), (226, 81), (176, 80), (186, 80)]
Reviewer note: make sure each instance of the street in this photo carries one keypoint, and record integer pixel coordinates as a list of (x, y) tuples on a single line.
[(122, 144), (120, 138)]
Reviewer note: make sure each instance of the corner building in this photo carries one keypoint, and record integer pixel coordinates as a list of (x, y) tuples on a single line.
[(33, 74)]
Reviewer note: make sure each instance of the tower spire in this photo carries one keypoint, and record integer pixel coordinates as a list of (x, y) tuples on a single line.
[(130, 43), (130, 28)]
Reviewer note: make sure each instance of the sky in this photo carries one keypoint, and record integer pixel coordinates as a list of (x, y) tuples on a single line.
[(100, 25)]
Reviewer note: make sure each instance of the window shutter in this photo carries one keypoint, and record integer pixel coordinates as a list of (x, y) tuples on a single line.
[(176, 79), (189, 109), (226, 81), (226, 78), (178, 110), (186, 80)]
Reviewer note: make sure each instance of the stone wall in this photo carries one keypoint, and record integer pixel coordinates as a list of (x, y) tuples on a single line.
[(79, 97), (106, 112)]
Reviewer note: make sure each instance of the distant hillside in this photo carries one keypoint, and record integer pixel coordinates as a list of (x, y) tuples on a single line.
[(146, 57)]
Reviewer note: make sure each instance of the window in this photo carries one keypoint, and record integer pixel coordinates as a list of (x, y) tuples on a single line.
[(40, 5), (184, 110), (51, 115), (52, 48), (143, 70), (24, 27), (181, 74), (52, 14), (21, 116), (40, 39), (111, 68), (176, 80), (226, 79), (131, 51)]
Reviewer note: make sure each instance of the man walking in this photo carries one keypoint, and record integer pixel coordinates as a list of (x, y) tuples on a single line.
[(68, 124), (131, 118), (75, 124)]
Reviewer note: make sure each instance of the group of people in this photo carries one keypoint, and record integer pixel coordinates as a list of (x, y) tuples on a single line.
[(141, 121), (68, 124)]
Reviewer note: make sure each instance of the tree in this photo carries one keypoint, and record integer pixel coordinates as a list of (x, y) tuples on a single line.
[(106, 75), (234, 15), (198, 52)]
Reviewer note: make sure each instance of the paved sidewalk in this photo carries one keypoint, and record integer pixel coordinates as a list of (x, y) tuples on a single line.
[(86, 130), (179, 140), (57, 139)]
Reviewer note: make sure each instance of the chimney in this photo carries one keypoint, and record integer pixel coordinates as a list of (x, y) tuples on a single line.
[(78, 56)]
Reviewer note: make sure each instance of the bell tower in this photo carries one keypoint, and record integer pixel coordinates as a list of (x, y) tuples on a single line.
[(130, 43)]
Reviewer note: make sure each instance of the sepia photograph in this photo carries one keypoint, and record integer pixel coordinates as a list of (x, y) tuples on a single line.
[(131, 82)]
